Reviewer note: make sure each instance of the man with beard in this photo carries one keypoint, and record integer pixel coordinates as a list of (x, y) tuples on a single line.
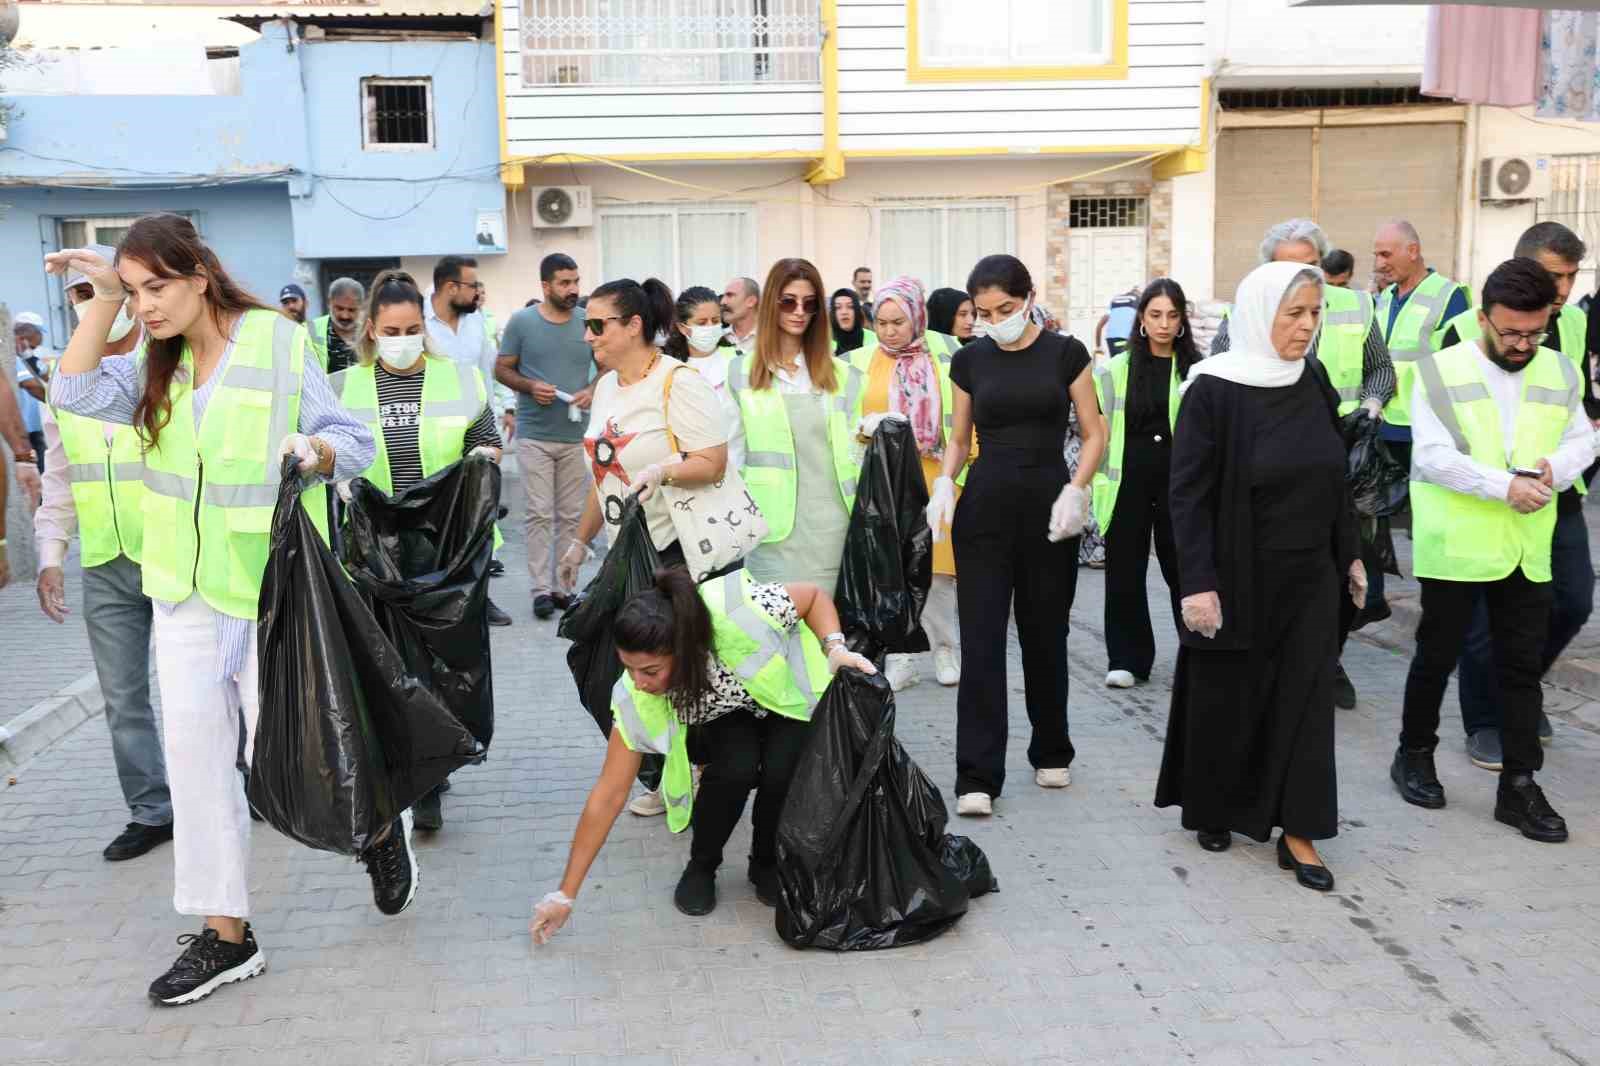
[(1498, 430), (292, 298), (543, 357), (333, 335)]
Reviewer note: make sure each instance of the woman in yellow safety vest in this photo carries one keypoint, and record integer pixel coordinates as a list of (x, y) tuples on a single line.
[(1138, 392), (798, 411), (223, 388), (907, 368), (742, 663), (425, 411)]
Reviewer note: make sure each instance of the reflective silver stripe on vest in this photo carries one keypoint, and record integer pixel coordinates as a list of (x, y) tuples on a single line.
[(633, 725), (769, 642), (852, 389), (85, 473), (284, 382), (1430, 322), (773, 460), (468, 406), (1573, 394), (1442, 400), (1355, 316), (336, 381), (1109, 384), (945, 359), (127, 471), (241, 495), (1468, 393), (738, 379), (1352, 392), (162, 483), (848, 486), (1540, 394)]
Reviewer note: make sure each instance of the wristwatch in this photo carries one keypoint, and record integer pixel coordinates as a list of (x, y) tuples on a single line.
[(832, 639)]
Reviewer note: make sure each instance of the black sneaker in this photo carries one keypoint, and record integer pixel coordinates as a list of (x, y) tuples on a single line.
[(1414, 775), (1520, 802), (208, 962), (497, 568), (1344, 692), (544, 605), (392, 865), (135, 840), (764, 875), (696, 893), (1547, 732), (497, 617), (428, 812)]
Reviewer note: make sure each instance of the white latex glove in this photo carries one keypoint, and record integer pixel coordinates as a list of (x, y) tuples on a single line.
[(1069, 514), (1358, 584), (30, 484), (840, 656), (1202, 613), (1373, 407), (343, 489), (549, 915), (869, 423), (647, 480), (941, 507), (299, 446), (571, 560), (92, 265)]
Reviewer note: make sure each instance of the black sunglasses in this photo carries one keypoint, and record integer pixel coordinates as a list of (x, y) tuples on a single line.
[(788, 302), (597, 326)]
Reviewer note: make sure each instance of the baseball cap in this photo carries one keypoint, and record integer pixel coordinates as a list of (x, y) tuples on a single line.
[(104, 251), (291, 291), (29, 318)]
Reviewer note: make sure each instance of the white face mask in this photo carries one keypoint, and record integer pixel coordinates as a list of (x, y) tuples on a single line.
[(401, 353), (1007, 332), (121, 326), (704, 339), (660, 339)]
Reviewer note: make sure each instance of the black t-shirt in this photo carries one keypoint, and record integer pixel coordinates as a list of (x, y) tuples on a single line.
[(1149, 393), (1020, 399)]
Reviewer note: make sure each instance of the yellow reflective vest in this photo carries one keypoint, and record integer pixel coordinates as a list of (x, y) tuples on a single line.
[(1111, 385), (107, 481), (1413, 335), (1347, 318), (784, 672)]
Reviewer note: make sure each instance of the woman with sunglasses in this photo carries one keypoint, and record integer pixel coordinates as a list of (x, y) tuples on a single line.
[(798, 410), (631, 425)]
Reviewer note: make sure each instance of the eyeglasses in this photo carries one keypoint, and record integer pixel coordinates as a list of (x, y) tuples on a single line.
[(1511, 336), (597, 326), (790, 303)]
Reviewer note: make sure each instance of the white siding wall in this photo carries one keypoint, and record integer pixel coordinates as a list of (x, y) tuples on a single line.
[(1158, 103)]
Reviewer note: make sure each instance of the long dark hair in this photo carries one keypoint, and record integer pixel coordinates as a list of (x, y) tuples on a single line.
[(671, 619), (677, 344), (168, 246), (660, 298), (942, 307), (846, 340), (1142, 363)]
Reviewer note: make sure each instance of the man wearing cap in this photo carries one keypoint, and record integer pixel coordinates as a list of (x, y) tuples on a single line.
[(292, 298), (93, 486), (33, 377)]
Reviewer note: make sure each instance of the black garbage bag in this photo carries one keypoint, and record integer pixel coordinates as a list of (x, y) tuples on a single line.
[(1379, 485), (347, 736), (887, 564), (863, 858), (629, 568), (422, 558)]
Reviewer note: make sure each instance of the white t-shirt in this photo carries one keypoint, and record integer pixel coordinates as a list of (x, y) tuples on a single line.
[(714, 368), (628, 431)]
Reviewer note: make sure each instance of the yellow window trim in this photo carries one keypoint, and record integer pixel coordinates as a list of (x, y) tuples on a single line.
[(1115, 69)]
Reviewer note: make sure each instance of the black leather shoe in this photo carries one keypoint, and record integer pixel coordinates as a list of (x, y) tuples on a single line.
[(1215, 840), (764, 875), (497, 617), (544, 605), (563, 600), (497, 568), (1313, 877), (1413, 774), (135, 840), (1521, 803), (1344, 692), (696, 893)]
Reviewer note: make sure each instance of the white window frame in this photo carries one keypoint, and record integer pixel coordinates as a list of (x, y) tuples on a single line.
[(957, 273), (678, 213), (369, 116), (1103, 55), (1583, 170)]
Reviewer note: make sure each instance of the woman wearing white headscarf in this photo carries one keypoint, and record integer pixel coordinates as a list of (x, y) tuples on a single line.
[(1266, 544)]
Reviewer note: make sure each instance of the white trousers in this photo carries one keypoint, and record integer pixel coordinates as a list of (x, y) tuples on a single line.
[(200, 731)]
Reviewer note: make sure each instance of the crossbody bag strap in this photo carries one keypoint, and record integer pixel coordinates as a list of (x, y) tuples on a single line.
[(666, 412)]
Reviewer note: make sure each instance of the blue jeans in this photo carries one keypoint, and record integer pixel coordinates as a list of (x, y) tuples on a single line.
[(117, 614), (1572, 573)]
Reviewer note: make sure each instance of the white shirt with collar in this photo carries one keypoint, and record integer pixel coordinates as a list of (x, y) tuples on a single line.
[(467, 343), (1435, 459)]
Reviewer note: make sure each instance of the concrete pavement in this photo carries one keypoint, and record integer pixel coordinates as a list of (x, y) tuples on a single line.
[(1114, 938)]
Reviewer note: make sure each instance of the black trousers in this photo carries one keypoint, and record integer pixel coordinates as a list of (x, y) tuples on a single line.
[(1141, 513), (1519, 616), (742, 752), (1004, 558)]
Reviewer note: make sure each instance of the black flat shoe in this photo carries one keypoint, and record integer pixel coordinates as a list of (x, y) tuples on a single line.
[(1520, 803), (696, 893), (1218, 840), (136, 840), (1413, 774), (1317, 878), (1344, 692)]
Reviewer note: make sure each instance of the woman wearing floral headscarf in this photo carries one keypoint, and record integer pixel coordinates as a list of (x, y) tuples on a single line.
[(908, 377)]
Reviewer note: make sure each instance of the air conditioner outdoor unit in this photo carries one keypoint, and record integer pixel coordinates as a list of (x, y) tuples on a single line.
[(1514, 177), (562, 207)]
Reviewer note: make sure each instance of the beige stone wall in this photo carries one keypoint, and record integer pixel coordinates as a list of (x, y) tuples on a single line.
[(1057, 216)]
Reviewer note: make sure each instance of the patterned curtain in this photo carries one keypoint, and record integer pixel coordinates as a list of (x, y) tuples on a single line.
[(1569, 76)]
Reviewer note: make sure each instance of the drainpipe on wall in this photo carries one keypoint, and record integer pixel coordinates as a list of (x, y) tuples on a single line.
[(1467, 239), (830, 167)]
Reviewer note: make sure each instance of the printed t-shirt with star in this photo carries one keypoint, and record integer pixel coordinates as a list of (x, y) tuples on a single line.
[(628, 431)]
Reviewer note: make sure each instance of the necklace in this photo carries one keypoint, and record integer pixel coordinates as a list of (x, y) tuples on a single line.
[(655, 356)]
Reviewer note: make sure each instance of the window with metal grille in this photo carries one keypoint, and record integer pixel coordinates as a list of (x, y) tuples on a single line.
[(1107, 212), (1296, 99), (671, 42), (397, 113), (1575, 203)]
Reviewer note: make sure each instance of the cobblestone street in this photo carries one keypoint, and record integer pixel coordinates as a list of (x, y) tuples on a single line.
[(1114, 938)]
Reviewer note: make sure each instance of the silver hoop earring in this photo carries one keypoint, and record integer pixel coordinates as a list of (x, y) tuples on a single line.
[(1182, 330), (1142, 333)]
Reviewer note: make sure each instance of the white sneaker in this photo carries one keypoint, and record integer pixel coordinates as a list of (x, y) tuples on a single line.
[(1120, 679), (649, 805), (971, 804), (1055, 777), (900, 672), (946, 667)]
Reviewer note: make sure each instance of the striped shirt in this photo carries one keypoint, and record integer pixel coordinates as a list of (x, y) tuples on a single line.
[(400, 419)]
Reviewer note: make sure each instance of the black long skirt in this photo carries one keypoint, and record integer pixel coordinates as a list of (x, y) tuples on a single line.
[(1250, 734)]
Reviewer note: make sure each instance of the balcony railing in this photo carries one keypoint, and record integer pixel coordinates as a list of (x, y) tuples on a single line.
[(671, 42)]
